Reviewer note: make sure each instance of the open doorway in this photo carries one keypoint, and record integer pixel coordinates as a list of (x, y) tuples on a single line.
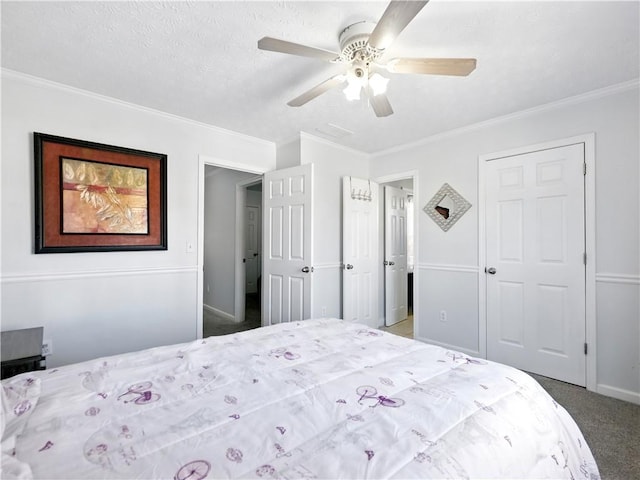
[(232, 251), (252, 258), (398, 216)]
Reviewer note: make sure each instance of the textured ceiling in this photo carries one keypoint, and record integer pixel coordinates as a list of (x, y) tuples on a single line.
[(200, 60)]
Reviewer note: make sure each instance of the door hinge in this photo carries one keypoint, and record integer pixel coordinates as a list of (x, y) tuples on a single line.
[(584, 258), (585, 348), (584, 168)]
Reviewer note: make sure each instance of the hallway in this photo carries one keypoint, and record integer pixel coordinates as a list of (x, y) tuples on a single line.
[(215, 325)]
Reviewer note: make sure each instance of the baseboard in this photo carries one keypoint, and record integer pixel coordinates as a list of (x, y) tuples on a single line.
[(220, 313), (619, 393), (469, 352)]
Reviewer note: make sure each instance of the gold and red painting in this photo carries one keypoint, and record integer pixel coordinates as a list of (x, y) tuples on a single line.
[(96, 197)]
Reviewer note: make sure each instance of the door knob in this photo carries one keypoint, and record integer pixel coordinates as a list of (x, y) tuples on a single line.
[(348, 266), (389, 263), (490, 270), (307, 269)]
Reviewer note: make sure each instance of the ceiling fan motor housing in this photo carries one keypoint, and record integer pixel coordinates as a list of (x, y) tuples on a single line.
[(354, 46)]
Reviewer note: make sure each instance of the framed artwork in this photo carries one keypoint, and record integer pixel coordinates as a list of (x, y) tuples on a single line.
[(446, 207), (91, 197)]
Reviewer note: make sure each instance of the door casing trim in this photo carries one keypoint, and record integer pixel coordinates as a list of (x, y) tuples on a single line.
[(414, 175), (203, 161)]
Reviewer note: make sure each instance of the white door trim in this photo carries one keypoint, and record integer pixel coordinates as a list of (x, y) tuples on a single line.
[(203, 161), (590, 237), (416, 242)]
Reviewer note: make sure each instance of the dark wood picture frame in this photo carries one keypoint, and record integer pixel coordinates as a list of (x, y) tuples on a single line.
[(91, 197)]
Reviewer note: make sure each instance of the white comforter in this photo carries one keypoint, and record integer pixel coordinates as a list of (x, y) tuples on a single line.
[(313, 399)]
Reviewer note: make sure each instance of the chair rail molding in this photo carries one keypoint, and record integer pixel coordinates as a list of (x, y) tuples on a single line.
[(618, 278), (48, 277), (449, 268)]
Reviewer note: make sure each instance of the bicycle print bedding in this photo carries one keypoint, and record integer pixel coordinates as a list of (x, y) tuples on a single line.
[(320, 398)]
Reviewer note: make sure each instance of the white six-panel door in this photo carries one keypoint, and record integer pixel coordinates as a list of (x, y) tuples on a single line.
[(395, 254), (287, 245), (535, 244), (360, 250)]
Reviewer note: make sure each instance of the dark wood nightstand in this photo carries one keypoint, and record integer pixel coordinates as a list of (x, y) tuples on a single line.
[(21, 351), (9, 368)]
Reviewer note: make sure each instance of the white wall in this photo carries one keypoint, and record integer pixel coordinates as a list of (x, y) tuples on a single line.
[(288, 154), (447, 273), (94, 304), (219, 279), (331, 163)]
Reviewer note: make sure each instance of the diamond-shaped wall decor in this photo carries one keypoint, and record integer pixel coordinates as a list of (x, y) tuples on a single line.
[(446, 207)]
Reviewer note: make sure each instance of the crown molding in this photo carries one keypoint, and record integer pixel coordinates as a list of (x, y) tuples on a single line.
[(575, 100), (352, 151), (288, 141), (24, 77)]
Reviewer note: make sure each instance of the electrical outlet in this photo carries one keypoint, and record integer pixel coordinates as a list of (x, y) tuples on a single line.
[(47, 348), (443, 315), (323, 311)]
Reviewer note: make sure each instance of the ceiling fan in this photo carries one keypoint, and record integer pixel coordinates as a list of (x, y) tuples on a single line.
[(362, 46)]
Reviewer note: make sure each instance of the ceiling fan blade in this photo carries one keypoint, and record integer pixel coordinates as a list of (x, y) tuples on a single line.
[(379, 103), (433, 66), (394, 19), (282, 46), (317, 90)]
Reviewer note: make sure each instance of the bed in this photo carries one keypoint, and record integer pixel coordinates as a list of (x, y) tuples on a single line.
[(321, 398)]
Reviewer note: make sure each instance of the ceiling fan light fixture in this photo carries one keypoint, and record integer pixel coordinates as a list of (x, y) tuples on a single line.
[(378, 84), (352, 90)]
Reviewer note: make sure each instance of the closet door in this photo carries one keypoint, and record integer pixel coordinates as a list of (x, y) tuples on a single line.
[(535, 274)]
